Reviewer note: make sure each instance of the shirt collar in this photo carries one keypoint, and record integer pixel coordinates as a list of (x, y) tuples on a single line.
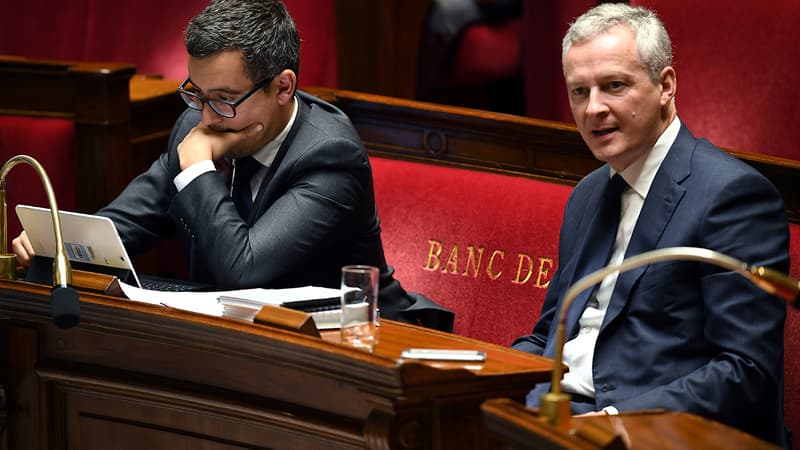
[(640, 174), (266, 155)]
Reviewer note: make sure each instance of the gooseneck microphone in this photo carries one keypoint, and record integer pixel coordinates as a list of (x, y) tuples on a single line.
[(65, 305), (555, 405)]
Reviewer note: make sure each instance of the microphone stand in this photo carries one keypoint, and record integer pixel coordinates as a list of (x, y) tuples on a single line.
[(555, 405), (64, 299)]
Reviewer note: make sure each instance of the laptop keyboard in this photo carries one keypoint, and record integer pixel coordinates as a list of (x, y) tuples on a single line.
[(165, 286), (168, 285)]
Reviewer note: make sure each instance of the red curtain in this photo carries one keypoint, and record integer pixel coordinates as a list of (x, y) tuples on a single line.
[(148, 33)]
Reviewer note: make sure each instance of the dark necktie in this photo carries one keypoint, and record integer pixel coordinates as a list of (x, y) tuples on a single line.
[(244, 169), (598, 243)]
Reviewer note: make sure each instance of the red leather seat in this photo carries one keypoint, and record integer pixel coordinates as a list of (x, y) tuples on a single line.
[(481, 244)]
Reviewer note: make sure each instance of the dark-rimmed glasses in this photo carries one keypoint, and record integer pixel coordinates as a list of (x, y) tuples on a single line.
[(224, 108)]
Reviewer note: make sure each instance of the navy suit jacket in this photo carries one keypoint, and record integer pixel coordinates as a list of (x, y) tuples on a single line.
[(685, 336), (314, 213)]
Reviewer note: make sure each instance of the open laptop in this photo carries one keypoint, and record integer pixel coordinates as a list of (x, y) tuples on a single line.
[(92, 244)]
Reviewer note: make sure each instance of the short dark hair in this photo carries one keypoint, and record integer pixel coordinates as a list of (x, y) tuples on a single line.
[(262, 30)]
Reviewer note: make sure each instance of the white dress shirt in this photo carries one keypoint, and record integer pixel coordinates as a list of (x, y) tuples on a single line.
[(579, 351)]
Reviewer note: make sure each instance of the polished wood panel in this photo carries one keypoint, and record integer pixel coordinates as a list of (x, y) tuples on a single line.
[(521, 428), (122, 120), (378, 45), (482, 140), (135, 375)]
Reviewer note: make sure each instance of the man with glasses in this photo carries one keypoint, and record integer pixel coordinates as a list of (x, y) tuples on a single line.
[(266, 186)]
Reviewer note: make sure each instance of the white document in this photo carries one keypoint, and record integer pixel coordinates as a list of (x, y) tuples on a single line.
[(276, 297), (241, 304), (202, 302), (246, 304)]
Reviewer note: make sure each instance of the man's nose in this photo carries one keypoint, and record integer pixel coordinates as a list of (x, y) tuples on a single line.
[(597, 103), (209, 116)]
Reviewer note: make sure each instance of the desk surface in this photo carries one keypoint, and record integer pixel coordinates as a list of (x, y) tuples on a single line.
[(185, 378)]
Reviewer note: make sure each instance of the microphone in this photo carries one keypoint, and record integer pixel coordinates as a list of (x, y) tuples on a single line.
[(65, 305), (555, 405)]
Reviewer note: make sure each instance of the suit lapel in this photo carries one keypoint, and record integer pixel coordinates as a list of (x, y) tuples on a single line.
[(579, 268), (663, 198), (267, 192)]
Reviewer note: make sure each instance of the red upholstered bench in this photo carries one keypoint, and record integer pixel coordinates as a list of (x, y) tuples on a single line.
[(791, 342), (482, 244)]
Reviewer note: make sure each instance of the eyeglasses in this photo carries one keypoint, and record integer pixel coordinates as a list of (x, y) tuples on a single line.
[(224, 108)]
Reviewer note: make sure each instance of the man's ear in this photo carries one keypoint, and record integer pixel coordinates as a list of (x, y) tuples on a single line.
[(286, 82), (669, 84)]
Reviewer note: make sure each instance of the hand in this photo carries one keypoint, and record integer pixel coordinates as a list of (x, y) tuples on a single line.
[(21, 246), (204, 143)]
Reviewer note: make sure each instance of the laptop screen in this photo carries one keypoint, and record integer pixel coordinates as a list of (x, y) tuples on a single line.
[(91, 241)]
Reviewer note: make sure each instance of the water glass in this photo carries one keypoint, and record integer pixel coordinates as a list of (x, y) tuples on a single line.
[(359, 306)]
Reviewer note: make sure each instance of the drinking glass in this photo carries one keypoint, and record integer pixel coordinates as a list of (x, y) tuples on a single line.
[(359, 306)]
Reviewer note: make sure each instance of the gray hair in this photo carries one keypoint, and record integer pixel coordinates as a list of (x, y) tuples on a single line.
[(262, 29), (652, 40)]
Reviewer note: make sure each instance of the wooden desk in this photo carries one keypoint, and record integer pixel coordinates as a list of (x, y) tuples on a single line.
[(138, 376), (514, 425)]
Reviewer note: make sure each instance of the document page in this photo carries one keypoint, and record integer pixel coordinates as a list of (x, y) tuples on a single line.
[(241, 304)]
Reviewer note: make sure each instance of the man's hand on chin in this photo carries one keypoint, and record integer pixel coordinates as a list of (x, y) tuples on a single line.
[(204, 143)]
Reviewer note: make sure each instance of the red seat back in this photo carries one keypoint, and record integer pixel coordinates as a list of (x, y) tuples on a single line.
[(791, 342), (52, 143), (482, 244)]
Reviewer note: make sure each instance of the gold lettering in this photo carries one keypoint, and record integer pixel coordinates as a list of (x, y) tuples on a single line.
[(434, 250), (490, 268), (529, 272), (452, 261), (473, 262), (545, 264)]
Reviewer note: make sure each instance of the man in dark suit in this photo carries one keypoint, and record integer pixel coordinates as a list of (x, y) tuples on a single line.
[(265, 185), (684, 336)]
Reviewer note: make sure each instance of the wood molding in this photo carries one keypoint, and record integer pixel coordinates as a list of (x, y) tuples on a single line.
[(496, 142)]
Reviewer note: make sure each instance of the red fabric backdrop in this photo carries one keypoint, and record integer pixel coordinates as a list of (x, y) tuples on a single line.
[(148, 33), (735, 63)]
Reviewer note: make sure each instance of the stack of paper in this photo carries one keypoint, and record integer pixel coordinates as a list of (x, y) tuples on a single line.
[(322, 303), (245, 303)]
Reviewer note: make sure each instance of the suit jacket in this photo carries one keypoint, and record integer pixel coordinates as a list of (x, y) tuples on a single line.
[(685, 336), (314, 213)]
